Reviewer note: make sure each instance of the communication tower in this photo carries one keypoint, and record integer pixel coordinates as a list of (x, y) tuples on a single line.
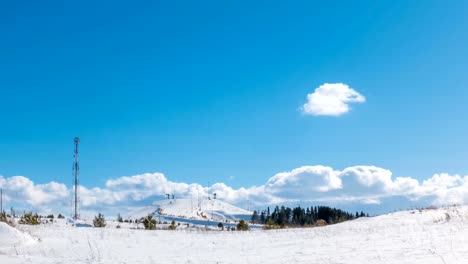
[(76, 171)]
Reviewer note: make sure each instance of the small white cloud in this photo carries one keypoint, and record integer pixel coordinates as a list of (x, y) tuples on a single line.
[(371, 201), (331, 99)]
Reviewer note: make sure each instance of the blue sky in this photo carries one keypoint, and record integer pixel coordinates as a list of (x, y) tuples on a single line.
[(212, 91)]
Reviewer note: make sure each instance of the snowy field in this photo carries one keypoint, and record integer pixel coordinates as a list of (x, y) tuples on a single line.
[(428, 236)]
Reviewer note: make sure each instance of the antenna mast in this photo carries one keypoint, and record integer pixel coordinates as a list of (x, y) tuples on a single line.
[(76, 170)]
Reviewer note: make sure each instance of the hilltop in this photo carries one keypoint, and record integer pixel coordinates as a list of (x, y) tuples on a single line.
[(204, 209)]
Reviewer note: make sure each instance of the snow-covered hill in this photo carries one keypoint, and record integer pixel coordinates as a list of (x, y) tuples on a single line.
[(213, 209), (417, 236)]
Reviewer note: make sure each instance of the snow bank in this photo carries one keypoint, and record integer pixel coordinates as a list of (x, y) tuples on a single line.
[(10, 236)]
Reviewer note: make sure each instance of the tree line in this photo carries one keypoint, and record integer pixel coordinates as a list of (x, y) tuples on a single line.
[(298, 216)]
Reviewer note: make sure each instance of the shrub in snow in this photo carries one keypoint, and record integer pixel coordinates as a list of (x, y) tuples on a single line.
[(270, 225), (242, 226), (149, 223), (321, 222), (30, 219), (172, 226), (99, 220), (60, 216), (220, 226), (4, 218)]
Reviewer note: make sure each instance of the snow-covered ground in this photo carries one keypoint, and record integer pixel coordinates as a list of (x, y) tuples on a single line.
[(427, 236)]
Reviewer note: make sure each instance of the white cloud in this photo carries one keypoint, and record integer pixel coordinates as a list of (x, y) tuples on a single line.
[(331, 99), (304, 180), (19, 188), (357, 185)]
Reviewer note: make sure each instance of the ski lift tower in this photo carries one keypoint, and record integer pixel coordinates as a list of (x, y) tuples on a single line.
[(76, 170)]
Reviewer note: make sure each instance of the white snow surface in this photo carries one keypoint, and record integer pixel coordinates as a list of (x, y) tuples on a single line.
[(210, 209), (417, 236), (10, 236)]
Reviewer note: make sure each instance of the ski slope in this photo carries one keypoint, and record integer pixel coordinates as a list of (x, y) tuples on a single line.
[(426, 236), (204, 209)]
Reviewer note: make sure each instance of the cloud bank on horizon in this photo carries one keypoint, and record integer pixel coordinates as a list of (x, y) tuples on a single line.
[(331, 99), (357, 185)]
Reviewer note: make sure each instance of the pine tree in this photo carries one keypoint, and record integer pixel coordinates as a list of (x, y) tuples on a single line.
[(173, 225), (254, 217), (4, 218), (29, 219), (99, 220), (242, 226), (263, 217), (285, 216), (149, 223)]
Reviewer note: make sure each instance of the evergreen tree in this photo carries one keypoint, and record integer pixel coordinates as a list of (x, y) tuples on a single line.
[(4, 218), (149, 223), (30, 219), (242, 226), (263, 217), (172, 226), (254, 218), (285, 216), (99, 220)]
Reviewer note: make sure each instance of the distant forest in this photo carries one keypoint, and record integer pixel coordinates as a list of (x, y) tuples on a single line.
[(298, 216)]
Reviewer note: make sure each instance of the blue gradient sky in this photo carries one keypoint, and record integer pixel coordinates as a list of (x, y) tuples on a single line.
[(211, 91)]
